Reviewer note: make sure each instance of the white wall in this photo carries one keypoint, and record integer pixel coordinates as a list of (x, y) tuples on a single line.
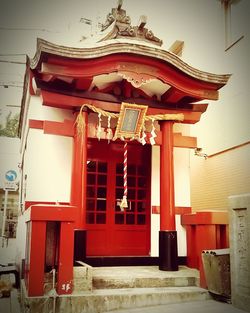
[(226, 122), (155, 200), (47, 164), (8, 251), (182, 196), (38, 111), (47, 158), (20, 241)]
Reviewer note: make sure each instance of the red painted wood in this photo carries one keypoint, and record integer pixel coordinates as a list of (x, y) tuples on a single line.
[(27, 204), (205, 231), (61, 101), (37, 216), (36, 124), (205, 218), (172, 95), (65, 263), (192, 257), (83, 83), (127, 89), (31, 89), (109, 238), (167, 211), (145, 65), (42, 212), (35, 269), (65, 128), (178, 210), (78, 180), (68, 102)]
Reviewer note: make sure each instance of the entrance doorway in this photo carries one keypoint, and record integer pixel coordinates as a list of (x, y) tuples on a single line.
[(111, 231)]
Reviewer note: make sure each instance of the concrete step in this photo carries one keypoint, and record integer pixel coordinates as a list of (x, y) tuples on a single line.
[(143, 277), (105, 300), (114, 283), (117, 288)]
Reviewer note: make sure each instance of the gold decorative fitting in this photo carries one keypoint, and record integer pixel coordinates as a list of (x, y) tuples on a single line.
[(130, 120)]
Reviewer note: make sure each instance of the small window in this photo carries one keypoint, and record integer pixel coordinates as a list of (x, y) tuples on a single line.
[(235, 20)]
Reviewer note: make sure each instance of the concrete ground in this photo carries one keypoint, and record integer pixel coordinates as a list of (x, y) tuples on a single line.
[(11, 305), (208, 306)]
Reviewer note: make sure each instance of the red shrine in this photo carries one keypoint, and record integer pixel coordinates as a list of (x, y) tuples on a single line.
[(69, 87)]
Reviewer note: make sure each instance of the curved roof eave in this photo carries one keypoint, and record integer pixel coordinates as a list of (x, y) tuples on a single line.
[(115, 46)]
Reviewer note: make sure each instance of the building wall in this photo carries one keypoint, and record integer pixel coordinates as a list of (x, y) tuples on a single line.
[(225, 127), (48, 164), (47, 159), (218, 177)]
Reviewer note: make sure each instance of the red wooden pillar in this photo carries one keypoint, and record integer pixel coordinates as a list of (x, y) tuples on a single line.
[(168, 259), (35, 258), (65, 267), (78, 189)]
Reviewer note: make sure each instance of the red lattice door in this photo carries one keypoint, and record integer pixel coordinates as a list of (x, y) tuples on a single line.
[(111, 231)]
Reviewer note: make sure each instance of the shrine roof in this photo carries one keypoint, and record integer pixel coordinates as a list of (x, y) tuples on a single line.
[(124, 63), (123, 46)]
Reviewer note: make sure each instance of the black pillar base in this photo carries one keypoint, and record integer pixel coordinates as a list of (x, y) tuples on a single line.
[(168, 256), (79, 246)]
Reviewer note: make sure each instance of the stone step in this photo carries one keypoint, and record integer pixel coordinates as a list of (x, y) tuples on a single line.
[(114, 283), (117, 288), (105, 300), (143, 277)]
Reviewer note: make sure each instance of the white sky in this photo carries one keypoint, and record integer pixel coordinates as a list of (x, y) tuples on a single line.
[(56, 17)]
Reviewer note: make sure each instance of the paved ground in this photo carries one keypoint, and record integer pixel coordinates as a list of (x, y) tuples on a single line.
[(11, 305), (208, 306)]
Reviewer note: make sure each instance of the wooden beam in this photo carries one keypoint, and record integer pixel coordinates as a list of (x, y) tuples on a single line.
[(177, 47), (184, 141), (142, 22), (172, 95), (74, 103), (83, 83), (125, 97), (65, 128), (179, 140)]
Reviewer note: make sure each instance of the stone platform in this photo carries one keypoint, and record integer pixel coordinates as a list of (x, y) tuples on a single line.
[(116, 288)]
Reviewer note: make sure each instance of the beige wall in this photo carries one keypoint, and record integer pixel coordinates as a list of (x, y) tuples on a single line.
[(225, 125), (215, 179)]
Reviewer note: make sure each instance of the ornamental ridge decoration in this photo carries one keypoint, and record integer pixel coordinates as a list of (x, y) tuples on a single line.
[(122, 27)]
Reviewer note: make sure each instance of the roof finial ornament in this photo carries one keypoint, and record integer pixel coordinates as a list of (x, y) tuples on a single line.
[(121, 27), (142, 21), (119, 4)]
